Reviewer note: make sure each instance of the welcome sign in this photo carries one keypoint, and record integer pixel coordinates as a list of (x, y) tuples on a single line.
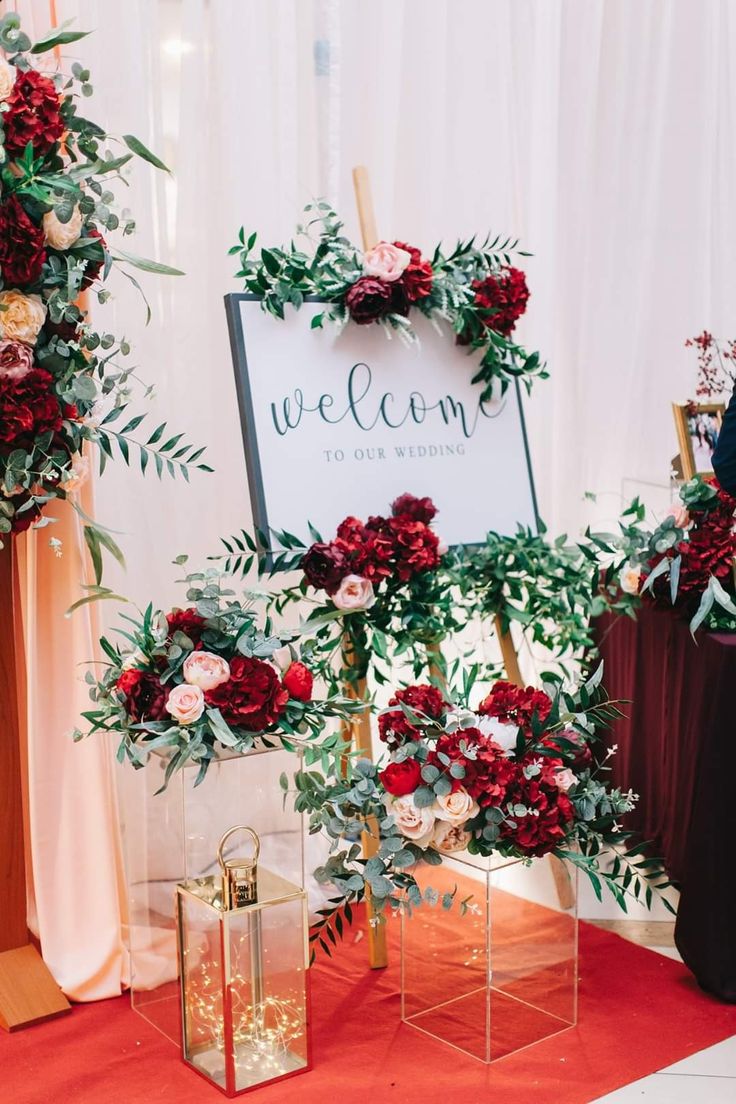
[(343, 423)]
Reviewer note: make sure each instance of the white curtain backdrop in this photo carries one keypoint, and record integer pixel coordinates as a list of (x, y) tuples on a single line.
[(601, 132)]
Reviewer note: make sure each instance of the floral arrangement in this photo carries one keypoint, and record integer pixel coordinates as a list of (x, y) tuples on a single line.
[(475, 289), (686, 562), (62, 383), (380, 589), (716, 364), (196, 681), (521, 775)]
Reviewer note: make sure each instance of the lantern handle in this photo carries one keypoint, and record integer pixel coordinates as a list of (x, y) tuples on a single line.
[(230, 832)]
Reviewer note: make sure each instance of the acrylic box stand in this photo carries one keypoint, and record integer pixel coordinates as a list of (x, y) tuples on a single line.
[(503, 974), (172, 837)]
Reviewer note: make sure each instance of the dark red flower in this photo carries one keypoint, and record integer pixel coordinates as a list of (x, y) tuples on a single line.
[(418, 509), (549, 815), (32, 114), (395, 729), (369, 299), (515, 704), (67, 331), (502, 298), (70, 412), (422, 699), (22, 245), (402, 778), (145, 697), (416, 547), (417, 277), (93, 267), (488, 772), (253, 697), (299, 681), (325, 566), (28, 408), (186, 621)]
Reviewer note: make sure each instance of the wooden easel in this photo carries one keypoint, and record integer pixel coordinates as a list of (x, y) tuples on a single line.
[(28, 992)]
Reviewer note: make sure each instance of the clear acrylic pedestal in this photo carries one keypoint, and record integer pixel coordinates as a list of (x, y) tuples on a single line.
[(172, 837), (500, 975)]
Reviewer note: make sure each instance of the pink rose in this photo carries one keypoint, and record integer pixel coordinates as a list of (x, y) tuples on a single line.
[(354, 593), (385, 262), (205, 670), (185, 703), (456, 807), (412, 822), (680, 514), (565, 779), (16, 359)]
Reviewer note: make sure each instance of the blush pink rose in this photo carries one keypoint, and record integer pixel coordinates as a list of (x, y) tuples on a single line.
[(565, 779), (456, 808), (413, 823), (185, 703), (205, 670), (354, 593), (16, 359), (680, 515), (449, 837), (385, 262)]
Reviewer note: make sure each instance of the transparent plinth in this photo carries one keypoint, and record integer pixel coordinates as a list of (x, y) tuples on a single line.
[(500, 973), (172, 838)]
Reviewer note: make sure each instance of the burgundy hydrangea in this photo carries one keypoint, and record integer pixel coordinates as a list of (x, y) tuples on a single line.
[(32, 114), (253, 697), (22, 251), (417, 277), (502, 298), (418, 509), (28, 408)]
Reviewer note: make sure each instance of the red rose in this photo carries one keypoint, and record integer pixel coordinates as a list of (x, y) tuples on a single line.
[(325, 566), (299, 681), (502, 298), (93, 267), (28, 408), (416, 547), (515, 704), (369, 299), (33, 114), (145, 697), (403, 778), (186, 621), (418, 509), (252, 698), (417, 277), (22, 251)]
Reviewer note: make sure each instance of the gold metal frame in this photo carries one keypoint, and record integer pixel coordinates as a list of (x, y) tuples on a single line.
[(680, 412)]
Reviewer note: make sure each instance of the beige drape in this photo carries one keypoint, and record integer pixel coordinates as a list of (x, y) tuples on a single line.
[(76, 885)]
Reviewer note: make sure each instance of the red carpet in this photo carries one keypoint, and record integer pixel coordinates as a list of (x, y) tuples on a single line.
[(638, 1012)]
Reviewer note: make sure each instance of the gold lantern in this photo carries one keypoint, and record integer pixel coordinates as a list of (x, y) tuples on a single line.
[(243, 963)]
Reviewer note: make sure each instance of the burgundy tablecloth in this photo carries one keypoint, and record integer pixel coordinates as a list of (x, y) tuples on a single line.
[(677, 750)]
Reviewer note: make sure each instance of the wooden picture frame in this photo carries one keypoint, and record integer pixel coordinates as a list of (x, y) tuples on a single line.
[(707, 418)]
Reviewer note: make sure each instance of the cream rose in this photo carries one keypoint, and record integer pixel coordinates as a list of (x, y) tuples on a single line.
[(62, 235), (385, 262), (449, 837), (680, 516), (8, 74), (414, 823), (205, 670), (354, 593), (185, 703), (455, 808), (501, 732), (565, 778), (21, 316), (76, 476), (630, 578)]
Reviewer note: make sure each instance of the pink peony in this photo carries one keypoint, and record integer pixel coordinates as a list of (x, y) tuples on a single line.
[(385, 262), (16, 359)]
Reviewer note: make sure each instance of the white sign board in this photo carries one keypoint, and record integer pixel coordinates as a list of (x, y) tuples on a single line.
[(343, 423)]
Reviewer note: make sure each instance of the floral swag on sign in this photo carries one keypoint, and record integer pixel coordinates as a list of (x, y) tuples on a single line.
[(475, 289), (62, 384)]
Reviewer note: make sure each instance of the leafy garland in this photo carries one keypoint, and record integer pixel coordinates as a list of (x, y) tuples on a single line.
[(451, 785), (474, 288), (209, 679), (62, 383)]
